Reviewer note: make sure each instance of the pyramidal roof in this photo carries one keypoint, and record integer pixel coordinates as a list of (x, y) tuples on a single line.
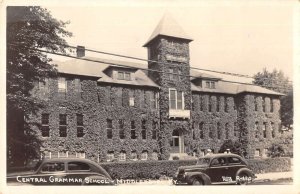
[(168, 27)]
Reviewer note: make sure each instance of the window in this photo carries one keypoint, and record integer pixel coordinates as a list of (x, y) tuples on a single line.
[(226, 104), (256, 104), (62, 87), (256, 130), (127, 76), (271, 105), (144, 136), (78, 90), (210, 84), (121, 129), (121, 75), (45, 125), (132, 132), (144, 155), (53, 167), (272, 129), (265, 152), (44, 88), (171, 75), (78, 166), (210, 132), (265, 129), (201, 130), (133, 156), (176, 99), (226, 131), (218, 162), (236, 129), (110, 156), (194, 133), (218, 104), (63, 154), (209, 103), (219, 130), (154, 155), (179, 74), (109, 129), (62, 125), (122, 156), (263, 103), (80, 155), (131, 98), (80, 132), (257, 153), (201, 102), (153, 100), (154, 129), (234, 160), (46, 154)]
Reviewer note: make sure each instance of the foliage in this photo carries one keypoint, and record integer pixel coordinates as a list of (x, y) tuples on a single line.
[(156, 169), (277, 81), (276, 151), (28, 28), (234, 147)]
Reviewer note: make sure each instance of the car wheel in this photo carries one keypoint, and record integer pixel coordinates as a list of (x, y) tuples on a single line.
[(244, 179), (197, 181)]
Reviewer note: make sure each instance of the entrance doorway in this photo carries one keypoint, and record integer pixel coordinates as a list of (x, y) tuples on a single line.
[(177, 142)]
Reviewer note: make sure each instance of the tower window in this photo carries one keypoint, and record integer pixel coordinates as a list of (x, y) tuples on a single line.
[(176, 99)]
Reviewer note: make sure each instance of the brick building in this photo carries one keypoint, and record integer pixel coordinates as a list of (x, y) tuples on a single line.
[(116, 110)]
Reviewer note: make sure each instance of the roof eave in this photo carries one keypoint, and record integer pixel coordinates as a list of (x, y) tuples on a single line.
[(152, 39)]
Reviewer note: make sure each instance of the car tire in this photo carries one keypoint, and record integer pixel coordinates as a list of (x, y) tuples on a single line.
[(245, 178), (196, 181)]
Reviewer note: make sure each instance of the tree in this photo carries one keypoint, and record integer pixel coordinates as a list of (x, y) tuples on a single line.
[(234, 147), (278, 82), (28, 28)]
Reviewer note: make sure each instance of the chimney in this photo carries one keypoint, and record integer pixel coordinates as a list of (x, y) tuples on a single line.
[(80, 50)]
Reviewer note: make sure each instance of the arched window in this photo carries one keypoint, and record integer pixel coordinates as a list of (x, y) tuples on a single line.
[(122, 156), (133, 156), (155, 155)]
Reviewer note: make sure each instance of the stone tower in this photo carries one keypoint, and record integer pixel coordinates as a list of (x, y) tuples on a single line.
[(169, 46)]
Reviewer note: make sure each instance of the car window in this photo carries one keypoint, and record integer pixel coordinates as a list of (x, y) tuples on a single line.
[(218, 162), (234, 160), (78, 166), (53, 167), (203, 161)]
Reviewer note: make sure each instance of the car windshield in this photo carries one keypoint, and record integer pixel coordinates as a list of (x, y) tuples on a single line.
[(203, 161)]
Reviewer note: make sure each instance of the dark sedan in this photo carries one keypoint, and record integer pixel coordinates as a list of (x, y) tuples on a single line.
[(215, 169), (63, 171)]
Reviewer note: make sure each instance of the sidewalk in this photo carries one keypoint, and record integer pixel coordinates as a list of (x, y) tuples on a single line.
[(274, 176)]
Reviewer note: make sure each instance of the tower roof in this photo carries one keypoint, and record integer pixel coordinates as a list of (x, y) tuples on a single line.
[(168, 27)]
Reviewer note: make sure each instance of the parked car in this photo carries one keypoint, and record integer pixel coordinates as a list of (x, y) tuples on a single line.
[(62, 171), (215, 169)]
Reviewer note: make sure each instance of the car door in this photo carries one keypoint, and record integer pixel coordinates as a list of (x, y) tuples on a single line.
[(216, 170), (78, 171), (53, 172), (234, 164)]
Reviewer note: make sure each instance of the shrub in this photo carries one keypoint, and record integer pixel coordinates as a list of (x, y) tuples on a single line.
[(270, 165), (157, 169)]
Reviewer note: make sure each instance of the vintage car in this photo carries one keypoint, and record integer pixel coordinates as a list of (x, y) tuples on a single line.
[(215, 169), (62, 171)]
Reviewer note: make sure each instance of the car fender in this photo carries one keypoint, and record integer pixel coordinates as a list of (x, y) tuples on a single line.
[(203, 176)]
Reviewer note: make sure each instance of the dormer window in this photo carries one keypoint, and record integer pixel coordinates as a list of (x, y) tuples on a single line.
[(124, 75), (210, 84)]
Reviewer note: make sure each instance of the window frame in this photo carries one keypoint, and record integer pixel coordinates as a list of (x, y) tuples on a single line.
[(63, 125), (176, 100)]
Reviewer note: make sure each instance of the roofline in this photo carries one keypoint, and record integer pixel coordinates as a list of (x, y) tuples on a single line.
[(155, 37), (82, 75), (127, 84), (278, 94)]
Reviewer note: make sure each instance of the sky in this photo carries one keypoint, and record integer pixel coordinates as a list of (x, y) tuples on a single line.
[(237, 37)]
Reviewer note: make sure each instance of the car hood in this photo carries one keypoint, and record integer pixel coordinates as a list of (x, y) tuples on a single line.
[(20, 173), (194, 167)]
